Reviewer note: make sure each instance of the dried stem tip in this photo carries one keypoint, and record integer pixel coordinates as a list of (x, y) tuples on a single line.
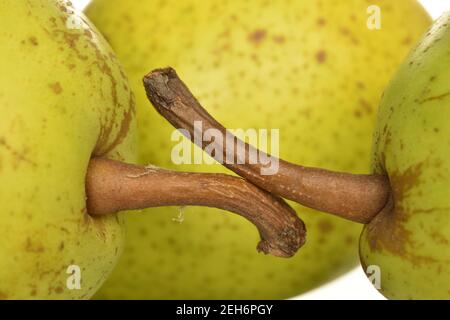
[(113, 186)]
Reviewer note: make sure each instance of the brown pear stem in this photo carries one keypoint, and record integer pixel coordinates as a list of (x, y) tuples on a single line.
[(354, 197), (113, 186)]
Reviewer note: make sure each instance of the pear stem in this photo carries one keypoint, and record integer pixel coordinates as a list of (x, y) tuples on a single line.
[(113, 186), (358, 198)]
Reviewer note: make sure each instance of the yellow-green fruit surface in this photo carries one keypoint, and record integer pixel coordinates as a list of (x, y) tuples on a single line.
[(410, 244), (63, 98), (313, 69)]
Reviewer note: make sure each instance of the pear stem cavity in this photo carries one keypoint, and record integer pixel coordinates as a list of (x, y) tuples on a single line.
[(358, 198), (113, 186)]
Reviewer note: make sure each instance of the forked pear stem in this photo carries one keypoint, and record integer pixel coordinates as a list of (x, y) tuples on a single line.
[(354, 197), (113, 186)]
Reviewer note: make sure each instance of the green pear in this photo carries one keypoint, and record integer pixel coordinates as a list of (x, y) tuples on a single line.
[(63, 99), (315, 70), (67, 129), (410, 242)]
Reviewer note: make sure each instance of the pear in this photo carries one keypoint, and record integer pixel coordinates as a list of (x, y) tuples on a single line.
[(312, 69), (63, 98), (410, 241), (404, 203), (68, 127)]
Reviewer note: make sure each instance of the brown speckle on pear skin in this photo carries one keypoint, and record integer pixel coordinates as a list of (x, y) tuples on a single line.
[(357, 114), (321, 22), (33, 247), (255, 58), (279, 39), (225, 34), (321, 56), (407, 41), (257, 36), (366, 106), (439, 238), (348, 34), (325, 226), (143, 232), (33, 41), (18, 156), (88, 33), (226, 47), (56, 87), (350, 240), (99, 223), (53, 22), (434, 98), (360, 85), (3, 296)]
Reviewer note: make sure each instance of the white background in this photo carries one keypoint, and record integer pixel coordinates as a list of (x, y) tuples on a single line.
[(353, 285)]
